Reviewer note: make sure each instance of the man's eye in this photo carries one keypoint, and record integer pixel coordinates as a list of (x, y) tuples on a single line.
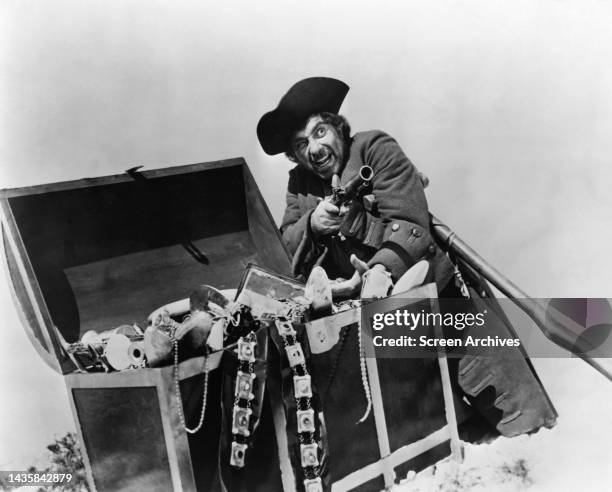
[(321, 131), (300, 145)]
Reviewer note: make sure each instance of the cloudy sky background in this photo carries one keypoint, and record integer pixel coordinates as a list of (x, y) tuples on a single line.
[(507, 107)]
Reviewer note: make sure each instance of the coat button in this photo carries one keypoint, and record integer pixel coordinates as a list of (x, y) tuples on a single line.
[(395, 227), (432, 248), (416, 232)]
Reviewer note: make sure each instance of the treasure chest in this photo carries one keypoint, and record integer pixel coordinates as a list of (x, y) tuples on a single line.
[(94, 254)]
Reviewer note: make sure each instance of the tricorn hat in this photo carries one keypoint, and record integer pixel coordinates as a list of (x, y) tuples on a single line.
[(305, 98)]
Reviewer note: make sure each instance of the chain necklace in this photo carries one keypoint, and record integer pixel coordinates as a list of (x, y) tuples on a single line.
[(177, 391), (306, 422), (364, 373), (167, 325), (243, 397)]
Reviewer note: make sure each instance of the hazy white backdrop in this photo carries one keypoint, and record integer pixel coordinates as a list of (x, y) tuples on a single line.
[(507, 106)]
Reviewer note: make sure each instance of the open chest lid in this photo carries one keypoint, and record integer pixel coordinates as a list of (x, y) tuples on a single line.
[(97, 253)]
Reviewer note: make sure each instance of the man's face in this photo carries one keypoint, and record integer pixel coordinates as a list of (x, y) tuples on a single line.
[(319, 148)]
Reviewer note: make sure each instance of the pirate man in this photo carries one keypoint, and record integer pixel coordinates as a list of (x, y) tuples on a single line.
[(385, 227)]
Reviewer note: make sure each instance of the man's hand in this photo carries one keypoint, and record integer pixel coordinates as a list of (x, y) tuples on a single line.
[(377, 282), (344, 289), (326, 218)]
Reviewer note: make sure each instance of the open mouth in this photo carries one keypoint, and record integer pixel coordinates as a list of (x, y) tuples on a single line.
[(321, 163)]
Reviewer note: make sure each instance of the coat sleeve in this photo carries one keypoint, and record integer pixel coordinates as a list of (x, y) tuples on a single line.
[(402, 205), (296, 231)]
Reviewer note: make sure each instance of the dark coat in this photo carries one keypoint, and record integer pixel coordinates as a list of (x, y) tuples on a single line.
[(389, 226)]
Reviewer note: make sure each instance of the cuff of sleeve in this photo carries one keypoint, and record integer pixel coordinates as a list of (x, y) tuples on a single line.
[(394, 258), (404, 243)]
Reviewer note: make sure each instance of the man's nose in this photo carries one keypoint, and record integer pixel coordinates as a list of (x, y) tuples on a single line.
[(315, 149)]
